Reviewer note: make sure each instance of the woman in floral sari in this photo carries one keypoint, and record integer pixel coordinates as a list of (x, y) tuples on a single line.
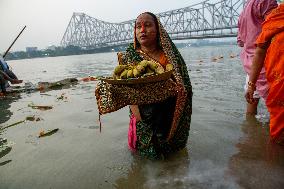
[(160, 113), (270, 54)]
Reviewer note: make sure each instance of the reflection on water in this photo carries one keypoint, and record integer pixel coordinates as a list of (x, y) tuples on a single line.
[(5, 114), (156, 174), (5, 162), (3, 152), (259, 162)]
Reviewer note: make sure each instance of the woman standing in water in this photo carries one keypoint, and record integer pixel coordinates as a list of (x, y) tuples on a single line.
[(270, 54), (249, 25), (161, 112)]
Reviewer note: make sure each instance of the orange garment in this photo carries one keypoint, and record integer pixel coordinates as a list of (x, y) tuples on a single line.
[(273, 35), (163, 60)]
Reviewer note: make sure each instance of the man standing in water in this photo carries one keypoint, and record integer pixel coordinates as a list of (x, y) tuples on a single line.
[(249, 25)]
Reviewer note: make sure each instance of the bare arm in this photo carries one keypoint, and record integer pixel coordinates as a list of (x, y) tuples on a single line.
[(5, 76), (13, 81), (257, 64)]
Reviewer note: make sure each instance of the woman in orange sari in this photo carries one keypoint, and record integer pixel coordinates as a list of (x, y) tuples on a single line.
[(270, 54)]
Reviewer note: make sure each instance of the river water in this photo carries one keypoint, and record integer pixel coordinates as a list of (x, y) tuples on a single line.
[(225, 149)]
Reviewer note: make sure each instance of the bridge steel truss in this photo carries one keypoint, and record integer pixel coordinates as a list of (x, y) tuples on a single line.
[(202, 20)]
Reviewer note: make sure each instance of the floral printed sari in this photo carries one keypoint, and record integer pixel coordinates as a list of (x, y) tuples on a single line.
[(165, 106)]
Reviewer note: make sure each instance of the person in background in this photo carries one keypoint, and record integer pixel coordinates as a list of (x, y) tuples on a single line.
[(249, 25), (269, 55), (6, 75)]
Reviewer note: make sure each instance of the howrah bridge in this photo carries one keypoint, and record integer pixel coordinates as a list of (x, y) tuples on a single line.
[(202, 20)]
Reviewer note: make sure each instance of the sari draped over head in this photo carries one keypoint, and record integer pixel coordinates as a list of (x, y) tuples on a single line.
[(113, 97), (272, 36)]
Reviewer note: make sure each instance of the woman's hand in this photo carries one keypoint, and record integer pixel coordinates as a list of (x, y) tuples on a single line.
[(249, 95), (257, 64), (135, 111)]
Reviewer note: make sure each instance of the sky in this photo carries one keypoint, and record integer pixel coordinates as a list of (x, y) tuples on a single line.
[(47, 20)]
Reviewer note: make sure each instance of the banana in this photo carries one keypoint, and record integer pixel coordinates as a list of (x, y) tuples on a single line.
[(130, 73), (140, 68), (152, 65), (169, 67), (144, 63), (136, 73), (118, 69), (123, 75), (160, 70)]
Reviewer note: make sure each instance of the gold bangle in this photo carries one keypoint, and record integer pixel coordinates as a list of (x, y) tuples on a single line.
[(251, 84)]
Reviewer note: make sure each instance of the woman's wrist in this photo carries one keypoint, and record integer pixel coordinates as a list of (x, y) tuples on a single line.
[(251, 85)]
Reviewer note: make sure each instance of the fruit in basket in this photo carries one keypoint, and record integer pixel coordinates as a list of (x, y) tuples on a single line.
[(118, 69), (142, 69), (152, 65), (169, 67), (114, 76), (144, 63), (149, 71), (159, 70), (123, 75), (130, 73), (136, 73)]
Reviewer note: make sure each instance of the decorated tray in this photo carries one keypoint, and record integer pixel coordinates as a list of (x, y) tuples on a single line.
[(144, 79)]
